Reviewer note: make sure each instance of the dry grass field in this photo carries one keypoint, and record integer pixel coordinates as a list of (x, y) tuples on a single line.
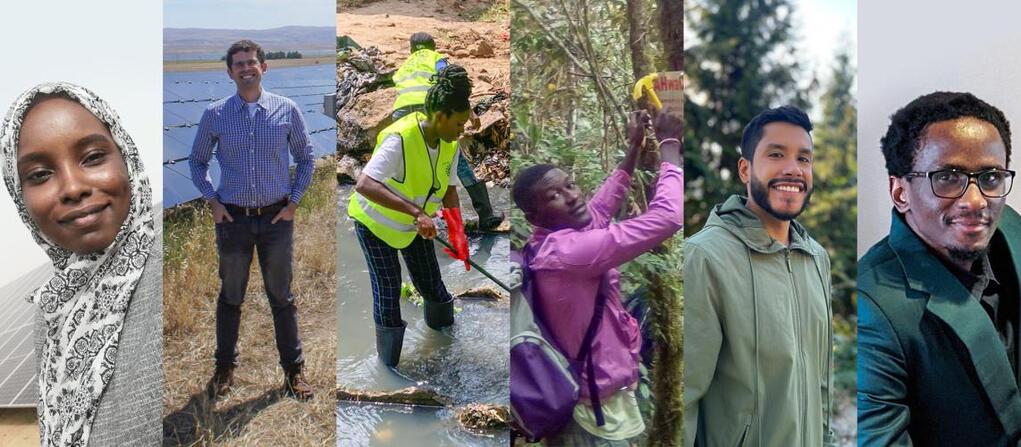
[(256, 411)]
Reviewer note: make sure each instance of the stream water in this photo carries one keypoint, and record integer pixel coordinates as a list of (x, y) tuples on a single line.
[(468, 364)]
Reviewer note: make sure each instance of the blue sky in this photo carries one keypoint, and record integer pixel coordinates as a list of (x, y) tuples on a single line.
[(248, 14)]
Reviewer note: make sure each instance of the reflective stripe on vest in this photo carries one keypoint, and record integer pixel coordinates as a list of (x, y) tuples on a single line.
[(414, 78), (417, 74), (395, 228), (417, 200), (377, 216)]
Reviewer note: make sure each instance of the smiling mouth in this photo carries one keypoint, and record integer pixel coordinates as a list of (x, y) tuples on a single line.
[(789, 187), (84, 216), (971, 225)]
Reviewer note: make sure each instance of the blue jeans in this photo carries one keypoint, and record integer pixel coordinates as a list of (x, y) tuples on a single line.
[(235, 243), (464, 170)]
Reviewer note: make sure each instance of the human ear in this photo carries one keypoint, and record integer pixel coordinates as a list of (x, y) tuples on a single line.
[(744, 170), (899, 194)]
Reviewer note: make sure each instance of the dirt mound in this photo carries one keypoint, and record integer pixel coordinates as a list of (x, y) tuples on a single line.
[(472, 43), (365, 99)]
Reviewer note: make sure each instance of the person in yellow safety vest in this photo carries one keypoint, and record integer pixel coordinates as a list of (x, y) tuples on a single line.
[(408, 178), (412, 80)]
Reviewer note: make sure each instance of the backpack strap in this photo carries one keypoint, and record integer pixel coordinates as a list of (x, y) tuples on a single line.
[(584, 357), (585, 352)]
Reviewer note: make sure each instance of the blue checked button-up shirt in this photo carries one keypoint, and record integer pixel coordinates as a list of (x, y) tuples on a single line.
[(252, 151)]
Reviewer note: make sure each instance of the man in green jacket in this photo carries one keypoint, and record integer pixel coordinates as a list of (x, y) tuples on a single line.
[(938, 311), (758, 337)]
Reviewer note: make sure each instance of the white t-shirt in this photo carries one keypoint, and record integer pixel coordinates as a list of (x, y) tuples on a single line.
[(388, 161), (252, 108)]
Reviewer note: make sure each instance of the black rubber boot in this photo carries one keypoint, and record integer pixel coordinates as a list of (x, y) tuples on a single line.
[(483, 207), (439, 315), (389, 341)]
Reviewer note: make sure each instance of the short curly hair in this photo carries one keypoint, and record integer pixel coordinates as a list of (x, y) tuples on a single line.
[(903, 138)]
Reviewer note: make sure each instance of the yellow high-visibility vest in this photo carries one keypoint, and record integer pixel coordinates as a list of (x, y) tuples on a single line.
[(413, 78), (421, 175)]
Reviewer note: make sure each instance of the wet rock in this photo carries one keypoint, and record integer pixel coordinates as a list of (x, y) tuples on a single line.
[(360, 122), (348, 170), (481, 293), (483, 417), (406, 396), (360, 70), (471, 226)]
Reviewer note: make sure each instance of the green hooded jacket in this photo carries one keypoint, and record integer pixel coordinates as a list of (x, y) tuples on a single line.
[(758, 338)]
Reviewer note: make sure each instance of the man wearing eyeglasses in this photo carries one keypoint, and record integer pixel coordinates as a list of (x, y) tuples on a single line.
[(938, 300)]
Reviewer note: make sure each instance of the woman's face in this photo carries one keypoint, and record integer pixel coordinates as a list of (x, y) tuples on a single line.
[(73, 177)]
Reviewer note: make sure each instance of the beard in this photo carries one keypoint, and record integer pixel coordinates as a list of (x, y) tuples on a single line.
[(969, 254), (760, 194), (966, 255)]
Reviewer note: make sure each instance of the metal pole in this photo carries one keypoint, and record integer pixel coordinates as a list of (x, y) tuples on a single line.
[(477, 267)]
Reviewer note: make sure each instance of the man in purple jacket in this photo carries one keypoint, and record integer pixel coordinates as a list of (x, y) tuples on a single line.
[(573, 245)]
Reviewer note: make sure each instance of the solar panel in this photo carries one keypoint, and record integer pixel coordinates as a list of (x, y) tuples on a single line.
[(17, 360), (186, 95)]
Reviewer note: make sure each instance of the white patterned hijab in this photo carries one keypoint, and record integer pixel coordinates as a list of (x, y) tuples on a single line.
[(85, 301)]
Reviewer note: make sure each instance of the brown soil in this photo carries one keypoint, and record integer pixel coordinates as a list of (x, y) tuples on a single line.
[(474, 34), (177, 66), (256, 411), (388, 25), (19, 427)]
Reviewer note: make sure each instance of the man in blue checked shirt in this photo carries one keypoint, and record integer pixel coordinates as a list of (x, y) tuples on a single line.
[(253, 208)]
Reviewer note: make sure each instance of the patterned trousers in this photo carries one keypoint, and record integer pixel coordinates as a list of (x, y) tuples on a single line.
[(385, 274)]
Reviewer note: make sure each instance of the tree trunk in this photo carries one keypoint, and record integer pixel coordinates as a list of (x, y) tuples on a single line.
[(637, 39), (671, 28), (666, 304)]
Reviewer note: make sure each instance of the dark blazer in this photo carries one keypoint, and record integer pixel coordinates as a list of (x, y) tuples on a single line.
[(932, 370)]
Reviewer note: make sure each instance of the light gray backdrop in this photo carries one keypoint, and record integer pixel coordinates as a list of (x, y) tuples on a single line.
[(910, 48)]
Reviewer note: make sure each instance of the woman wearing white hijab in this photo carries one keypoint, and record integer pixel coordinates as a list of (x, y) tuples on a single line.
[(78, 183)]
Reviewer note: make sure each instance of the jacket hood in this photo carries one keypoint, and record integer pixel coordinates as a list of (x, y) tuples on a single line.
[(734, 216)]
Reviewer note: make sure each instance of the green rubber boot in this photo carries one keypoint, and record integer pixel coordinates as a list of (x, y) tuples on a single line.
[(389, 341), (439, 315), (483, 207)]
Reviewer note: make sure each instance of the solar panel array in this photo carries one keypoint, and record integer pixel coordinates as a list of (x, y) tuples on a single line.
[(18, 386), (187, 94)]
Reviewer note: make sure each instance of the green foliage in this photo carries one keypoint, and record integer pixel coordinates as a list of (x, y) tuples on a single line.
[(496, 12), (845, 356), (408, 292), (572, 114), (737, 68), (831, 218), (558, 116), (572, 77), (737, 65)]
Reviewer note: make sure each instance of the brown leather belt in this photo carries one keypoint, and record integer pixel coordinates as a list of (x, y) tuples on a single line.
[(268, 209)]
